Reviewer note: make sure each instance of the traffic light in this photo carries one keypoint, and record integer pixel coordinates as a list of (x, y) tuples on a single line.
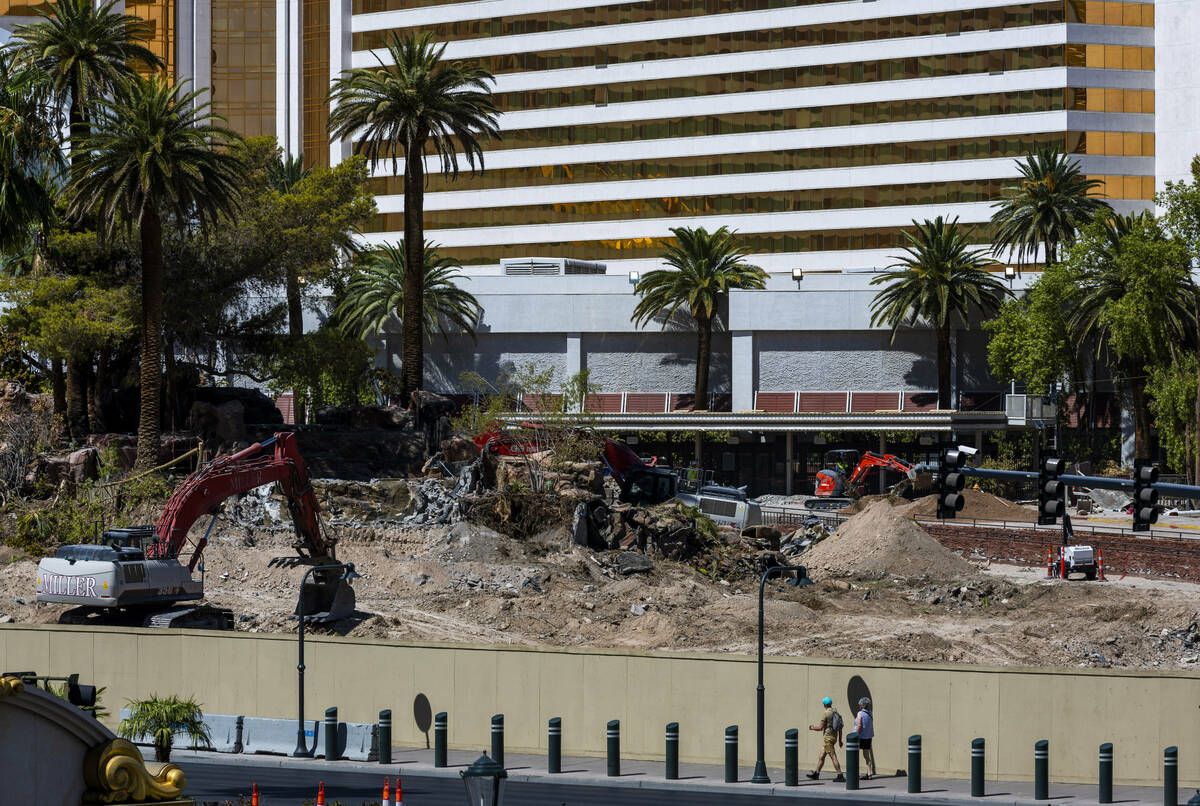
[(1050, 491), (950, 481), (1144, 496)]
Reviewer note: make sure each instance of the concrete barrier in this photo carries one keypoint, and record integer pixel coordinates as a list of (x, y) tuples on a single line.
[(276, 736), (222, 731), (357, 741)]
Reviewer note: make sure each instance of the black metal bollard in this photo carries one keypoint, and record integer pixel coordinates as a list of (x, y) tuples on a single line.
[(1171, 776), (731, 754), (852, 760), (1041, 770), (791, 758), (614, 748), (331, 734), (1106, 772), (239, 726), (914, 763), (672, 765), (554, 746), (385, 737), (440, 722), (498, 739), (977, 759)]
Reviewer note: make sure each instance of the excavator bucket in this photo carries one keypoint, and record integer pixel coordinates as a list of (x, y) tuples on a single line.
[(325, 600)]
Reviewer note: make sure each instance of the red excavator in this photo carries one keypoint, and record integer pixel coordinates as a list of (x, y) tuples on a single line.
[(138, 573), (837, 485)]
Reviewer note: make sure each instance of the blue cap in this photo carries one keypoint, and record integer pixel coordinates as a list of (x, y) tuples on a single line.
[(826, 702)]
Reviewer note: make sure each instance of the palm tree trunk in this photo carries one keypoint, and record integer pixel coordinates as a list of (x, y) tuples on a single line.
[(295, 306), (943, 364), (162, 749), (77, 418), (412, 375), (703, 359), (1141, 418), (96, 393), (151, 370)]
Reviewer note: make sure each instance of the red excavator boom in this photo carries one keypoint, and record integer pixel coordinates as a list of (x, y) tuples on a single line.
[(203, 491), (872, 460)]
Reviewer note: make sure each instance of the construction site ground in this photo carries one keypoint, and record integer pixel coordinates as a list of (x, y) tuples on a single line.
[(464, 582)]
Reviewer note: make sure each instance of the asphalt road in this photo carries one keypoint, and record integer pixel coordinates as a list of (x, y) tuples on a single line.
[(210, 782)]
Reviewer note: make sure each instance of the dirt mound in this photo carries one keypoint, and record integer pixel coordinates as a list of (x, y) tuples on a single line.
[(880, 541), (979, 506)]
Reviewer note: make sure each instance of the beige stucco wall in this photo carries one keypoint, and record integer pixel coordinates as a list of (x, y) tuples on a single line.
[(255, 675)]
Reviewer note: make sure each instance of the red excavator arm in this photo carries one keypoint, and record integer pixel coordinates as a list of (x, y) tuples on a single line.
[(872, 460), (203, 491)]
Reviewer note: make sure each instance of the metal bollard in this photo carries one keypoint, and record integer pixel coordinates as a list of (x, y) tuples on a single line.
[(1106, 772), (672, 765), (977, 759), (498, 739), (791, 758), (385, 737), (614, 748), (554, 746), (731, 754), (852, 760), (1171, 776), (239, 726), (1041, 770), (331, 734), (440, 722), (914, 763)]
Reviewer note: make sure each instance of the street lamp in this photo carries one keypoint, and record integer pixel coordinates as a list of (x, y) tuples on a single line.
[(484, 781), (302, 750), (798, 276), (799, 577)]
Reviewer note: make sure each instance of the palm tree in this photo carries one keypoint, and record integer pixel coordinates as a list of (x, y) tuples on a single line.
[(161, 718), (285, 172), (939, 279), (705, 267), (1049, 204), (87, 52), (415, 104), (375, 293), (154, 152), (1133, 304), (30, 159)]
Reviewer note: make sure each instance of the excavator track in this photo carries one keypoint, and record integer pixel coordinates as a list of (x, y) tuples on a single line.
[(827, 504)]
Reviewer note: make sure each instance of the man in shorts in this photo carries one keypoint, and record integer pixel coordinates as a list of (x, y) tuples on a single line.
[(830, 737), (864, 725)]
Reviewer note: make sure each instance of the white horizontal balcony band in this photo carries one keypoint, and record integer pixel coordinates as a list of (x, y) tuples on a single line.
[(807, 221), (909, 89), (481, 10), (757, 142), (717, 64), (765, 182)]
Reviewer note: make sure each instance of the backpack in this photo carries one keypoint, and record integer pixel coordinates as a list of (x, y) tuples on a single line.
[(836, 724)]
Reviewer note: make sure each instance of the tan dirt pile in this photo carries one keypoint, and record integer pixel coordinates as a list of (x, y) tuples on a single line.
[(979, 506), (880, 541)]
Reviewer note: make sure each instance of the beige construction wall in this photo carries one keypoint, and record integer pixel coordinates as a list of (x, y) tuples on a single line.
[(255, 675)]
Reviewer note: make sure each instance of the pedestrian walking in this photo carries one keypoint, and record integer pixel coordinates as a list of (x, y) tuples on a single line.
[(864, 725), (830, 727)]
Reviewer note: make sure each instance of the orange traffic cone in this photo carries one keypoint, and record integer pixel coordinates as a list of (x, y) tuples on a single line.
[(1049, 562), (320, 793), (387, 795), (399, 794), (254, 795), (1100, 562)]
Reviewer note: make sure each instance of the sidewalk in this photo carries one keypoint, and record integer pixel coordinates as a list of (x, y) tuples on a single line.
[(703, 778)]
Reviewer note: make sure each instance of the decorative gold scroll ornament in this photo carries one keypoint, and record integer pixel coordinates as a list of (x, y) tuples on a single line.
[(11, 686), (116, 773)]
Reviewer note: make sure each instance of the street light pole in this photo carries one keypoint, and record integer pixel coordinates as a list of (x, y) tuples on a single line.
[(799, 576), (302, 750)]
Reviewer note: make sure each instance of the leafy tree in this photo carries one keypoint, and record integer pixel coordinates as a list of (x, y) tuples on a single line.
[(941, 278), (161, 718), (1030, 339), (322, 368), (705, 267), (29, 154), (1135, 301), (375, 293), (87, 52), (1172, 392), (1046, 207), (154, 154), (416, 103)]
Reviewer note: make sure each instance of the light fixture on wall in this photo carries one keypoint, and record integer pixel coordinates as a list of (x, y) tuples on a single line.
[(634, 277), (1009, 273), (798, 276)]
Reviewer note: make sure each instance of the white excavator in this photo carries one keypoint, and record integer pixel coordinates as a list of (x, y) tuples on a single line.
[(145, 575)]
